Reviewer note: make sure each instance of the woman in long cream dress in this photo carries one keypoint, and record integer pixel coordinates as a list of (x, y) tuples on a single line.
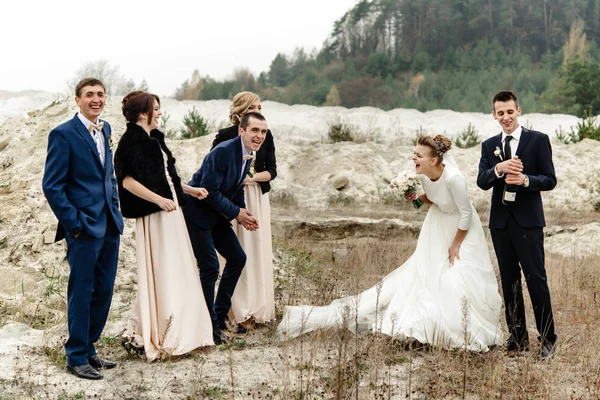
[(253, 300), (170, 316)]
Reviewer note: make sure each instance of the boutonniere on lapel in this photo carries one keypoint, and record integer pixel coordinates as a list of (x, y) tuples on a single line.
[(111, 143), (498, 153), (250, 157)]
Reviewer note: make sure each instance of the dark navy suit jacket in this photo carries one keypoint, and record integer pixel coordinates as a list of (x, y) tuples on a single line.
[(265, 156), (535, 152), (220, 174), (81, 192)]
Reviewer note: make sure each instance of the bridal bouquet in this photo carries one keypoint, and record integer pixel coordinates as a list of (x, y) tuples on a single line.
[(406, 182)]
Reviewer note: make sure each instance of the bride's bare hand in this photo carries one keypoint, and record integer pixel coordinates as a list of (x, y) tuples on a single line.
[(410, 196), (453, 253)]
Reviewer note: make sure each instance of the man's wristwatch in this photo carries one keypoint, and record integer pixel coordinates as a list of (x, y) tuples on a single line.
[(525, 181)]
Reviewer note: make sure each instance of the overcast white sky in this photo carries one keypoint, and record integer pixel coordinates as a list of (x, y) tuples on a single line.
[(43, 43)]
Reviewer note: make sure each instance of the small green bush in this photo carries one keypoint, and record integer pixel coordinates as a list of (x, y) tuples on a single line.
[(587, 128), (339, 131), (164, 120), (468, 137), (194, 125), (562, 136)]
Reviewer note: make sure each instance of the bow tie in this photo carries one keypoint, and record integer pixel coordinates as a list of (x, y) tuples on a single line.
[(249, 156), (97, 126)]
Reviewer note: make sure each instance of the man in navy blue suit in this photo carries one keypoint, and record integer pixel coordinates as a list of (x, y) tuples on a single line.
[(517, 227), (80, 186), (208, 221)]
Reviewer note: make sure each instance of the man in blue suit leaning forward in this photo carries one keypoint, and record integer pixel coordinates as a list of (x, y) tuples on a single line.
[(208, 221), (80, 186)]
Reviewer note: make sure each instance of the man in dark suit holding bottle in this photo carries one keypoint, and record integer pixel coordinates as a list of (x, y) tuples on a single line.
[(517, 219), (80, 186), (208, 221)]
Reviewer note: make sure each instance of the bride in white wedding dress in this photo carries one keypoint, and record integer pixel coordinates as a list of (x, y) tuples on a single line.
[(446, 293)]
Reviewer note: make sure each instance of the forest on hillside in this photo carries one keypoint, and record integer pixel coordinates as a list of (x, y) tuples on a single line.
[(437, 54)]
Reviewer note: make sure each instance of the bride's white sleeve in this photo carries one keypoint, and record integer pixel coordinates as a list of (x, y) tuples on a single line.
[(422, 179), (458, 188)]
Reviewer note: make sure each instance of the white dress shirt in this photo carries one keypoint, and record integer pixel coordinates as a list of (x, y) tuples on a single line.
[(514, 144), (97, 136)]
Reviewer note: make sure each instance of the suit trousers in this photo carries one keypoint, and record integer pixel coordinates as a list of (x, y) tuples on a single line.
[(523, 248), (221, 238), (93, 263)]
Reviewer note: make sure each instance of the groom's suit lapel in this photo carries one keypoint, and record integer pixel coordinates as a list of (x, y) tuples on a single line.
[(87, 137), (246, 169), (525, 137), (238, 163), (107, 154), (497, 143)]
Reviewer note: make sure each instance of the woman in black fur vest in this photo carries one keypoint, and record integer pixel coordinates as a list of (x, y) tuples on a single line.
[(253, 300), (169, 316)]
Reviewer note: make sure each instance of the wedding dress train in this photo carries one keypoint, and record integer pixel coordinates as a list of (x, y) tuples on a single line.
[(427, 299)]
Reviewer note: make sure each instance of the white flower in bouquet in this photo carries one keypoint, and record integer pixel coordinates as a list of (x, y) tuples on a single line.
[(407, 181)]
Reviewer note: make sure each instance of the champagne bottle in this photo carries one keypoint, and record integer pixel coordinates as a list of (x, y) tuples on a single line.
[(510, 191)]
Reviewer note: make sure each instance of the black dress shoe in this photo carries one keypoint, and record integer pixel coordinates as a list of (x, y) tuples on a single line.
[(218, 340), (221, 336), (513, 345), (547, 351), (239, 329), (98, 363), (85, 371), (218, 336), (131, 348)]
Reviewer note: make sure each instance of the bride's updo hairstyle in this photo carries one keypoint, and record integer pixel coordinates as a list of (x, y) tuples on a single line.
[(438, 144), (241, 102), (136, 103)]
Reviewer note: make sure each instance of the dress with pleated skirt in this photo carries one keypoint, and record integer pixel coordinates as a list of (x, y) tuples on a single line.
[(254, 298), (169, 316)]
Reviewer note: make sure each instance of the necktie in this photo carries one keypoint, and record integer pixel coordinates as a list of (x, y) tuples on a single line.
[(507, 152)]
